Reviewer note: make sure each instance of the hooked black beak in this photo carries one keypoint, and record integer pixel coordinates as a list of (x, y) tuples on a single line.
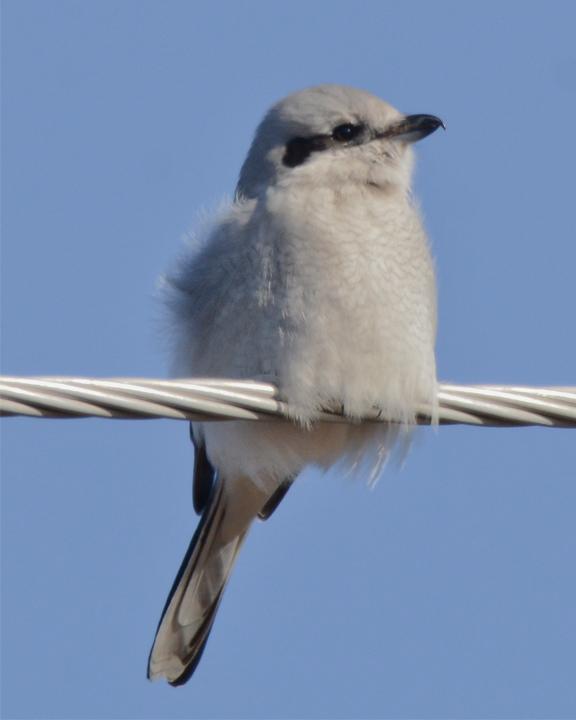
[(413, 128)]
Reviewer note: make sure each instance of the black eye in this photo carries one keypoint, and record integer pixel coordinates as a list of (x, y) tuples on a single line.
[(346, 132)]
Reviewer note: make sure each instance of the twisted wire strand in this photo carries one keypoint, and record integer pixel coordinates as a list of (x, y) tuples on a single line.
[(216, 399)]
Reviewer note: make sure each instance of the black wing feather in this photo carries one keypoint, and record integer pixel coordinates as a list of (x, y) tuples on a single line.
[(204, 476)]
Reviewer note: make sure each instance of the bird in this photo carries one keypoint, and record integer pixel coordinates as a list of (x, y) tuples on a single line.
[(318, 277)]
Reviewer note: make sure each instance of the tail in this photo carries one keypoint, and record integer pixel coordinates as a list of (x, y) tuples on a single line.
[(197, 590)]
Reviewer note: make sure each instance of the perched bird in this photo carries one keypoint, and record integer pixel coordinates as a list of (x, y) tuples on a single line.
[(317, 278)]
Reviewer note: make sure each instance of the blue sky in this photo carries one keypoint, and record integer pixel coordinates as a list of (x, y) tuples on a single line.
[(447, 592)]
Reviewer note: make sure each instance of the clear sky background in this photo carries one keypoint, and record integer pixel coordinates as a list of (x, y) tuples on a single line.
[(447, 592)]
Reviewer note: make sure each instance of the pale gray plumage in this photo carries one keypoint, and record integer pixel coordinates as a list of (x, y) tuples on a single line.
[(318, 278)]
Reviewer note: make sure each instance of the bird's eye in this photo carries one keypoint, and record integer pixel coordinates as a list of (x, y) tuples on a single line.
[(346, 132)]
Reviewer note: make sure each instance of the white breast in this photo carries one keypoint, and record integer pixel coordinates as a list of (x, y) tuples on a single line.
[(358, 301), (329, 294)]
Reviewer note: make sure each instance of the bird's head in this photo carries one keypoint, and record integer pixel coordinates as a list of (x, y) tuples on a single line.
[(333, 135)]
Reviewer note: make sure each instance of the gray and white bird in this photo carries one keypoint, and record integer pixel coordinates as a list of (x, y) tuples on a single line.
[(317, 278)]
